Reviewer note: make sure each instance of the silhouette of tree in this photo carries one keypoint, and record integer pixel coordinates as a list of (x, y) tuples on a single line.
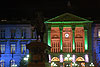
[(23, 63)]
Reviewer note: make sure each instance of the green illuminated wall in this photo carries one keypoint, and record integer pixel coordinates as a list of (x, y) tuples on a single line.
[(73, 39), (86, 40), (61, 28), (49, 37)]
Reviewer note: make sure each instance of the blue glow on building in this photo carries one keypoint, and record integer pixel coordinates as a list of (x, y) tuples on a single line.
[(13, 40), (96, 43)]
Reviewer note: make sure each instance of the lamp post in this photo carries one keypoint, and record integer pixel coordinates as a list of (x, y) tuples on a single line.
[(91, 65), (26, 58), (14, 65)]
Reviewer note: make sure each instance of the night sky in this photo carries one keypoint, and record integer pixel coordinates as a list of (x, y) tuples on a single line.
[(49, 8)]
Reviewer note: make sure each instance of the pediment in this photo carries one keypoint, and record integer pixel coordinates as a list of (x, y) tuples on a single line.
[(67, 18)]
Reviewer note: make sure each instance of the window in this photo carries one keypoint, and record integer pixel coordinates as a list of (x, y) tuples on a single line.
[(98, 42), (99, 46), (13, 33), (99, 33), (2, 48), (12, 62), (23, 48), (79, 39), (2, 63), (2, 33), (13, 48), (23, 33)]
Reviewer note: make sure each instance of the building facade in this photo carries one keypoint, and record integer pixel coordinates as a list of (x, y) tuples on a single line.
[(13, 39), (96, 43), (70, 39)]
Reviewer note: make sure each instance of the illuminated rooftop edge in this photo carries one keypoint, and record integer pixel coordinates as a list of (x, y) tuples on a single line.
[(70, 22)]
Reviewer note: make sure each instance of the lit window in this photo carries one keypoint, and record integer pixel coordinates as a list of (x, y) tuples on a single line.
[(23, 33), (99, 33), (13, 33), (13, 48), (2, 48), (99, 46), (2, 33), (2, 63), (23, 48), (12, 62), (34, 33)]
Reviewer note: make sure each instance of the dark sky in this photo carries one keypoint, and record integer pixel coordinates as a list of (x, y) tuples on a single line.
[(26, 8)]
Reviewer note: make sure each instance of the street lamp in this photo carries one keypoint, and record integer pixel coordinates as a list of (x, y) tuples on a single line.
[(26, 58), (91, 65), (14, 65)]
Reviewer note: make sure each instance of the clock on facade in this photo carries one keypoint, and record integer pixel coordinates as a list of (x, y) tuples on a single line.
[(66, 35)]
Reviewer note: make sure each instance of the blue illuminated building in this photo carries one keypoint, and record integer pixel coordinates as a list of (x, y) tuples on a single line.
[(96, 42), (14, 35)]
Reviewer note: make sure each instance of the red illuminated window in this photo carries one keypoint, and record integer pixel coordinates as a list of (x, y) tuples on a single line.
[(55, 39), (79, 39), (67, 39)]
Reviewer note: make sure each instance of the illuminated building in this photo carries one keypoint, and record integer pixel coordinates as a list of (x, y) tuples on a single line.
[(70, 39), (14, 35), (96, 43)]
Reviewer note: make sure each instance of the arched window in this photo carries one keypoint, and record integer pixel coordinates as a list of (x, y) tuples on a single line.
[(12, 62), (2, 63)]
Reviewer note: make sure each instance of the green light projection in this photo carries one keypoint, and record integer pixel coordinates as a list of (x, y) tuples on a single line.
[(49, 38), (86, 41), (73, 40), (69, 22), (61, 28)]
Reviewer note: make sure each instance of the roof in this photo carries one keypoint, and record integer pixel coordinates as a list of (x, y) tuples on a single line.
[(67, 18), (17, 21), (37, 44)]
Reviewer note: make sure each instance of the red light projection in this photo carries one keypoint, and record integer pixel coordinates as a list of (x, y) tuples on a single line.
[(67, 39), (79, 39), (55, 39)]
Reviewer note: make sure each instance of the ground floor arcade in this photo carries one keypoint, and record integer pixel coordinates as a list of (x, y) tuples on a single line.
[(70, 60)]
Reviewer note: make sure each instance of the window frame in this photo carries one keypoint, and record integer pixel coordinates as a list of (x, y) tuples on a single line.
[(2, 62), (13, 33), (3, 43), (23, 33), (2, 33), (13, 52), (22, 47)]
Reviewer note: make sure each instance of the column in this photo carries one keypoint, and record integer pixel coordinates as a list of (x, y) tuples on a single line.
[(86, 40), (90, 43), (61, 45), (49, 36), (18, 46), (73, 39), (7, 47)]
